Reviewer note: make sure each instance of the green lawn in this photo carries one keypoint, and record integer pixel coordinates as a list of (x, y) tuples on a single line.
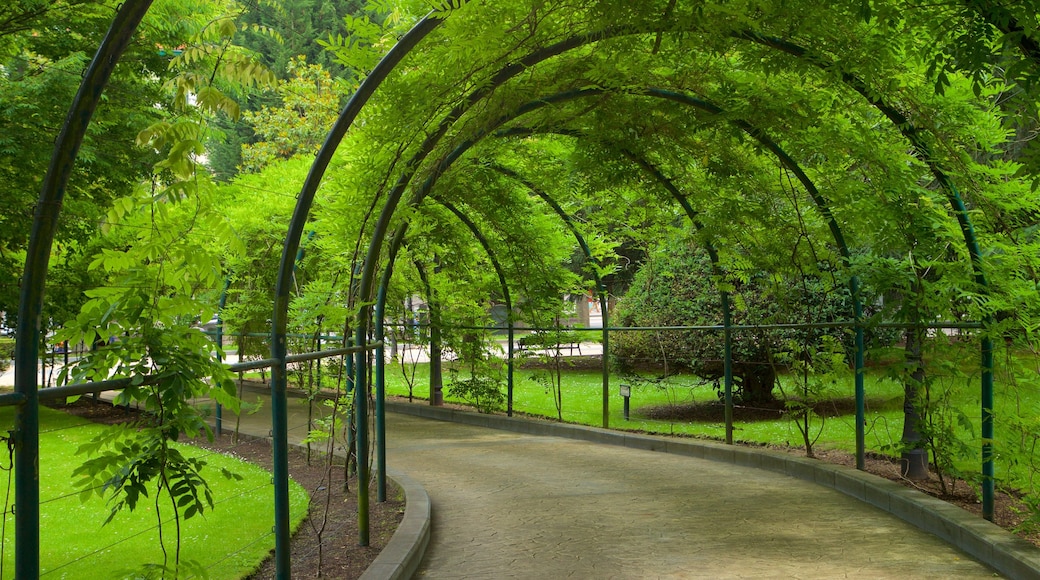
[(582, 403), (229, 540)]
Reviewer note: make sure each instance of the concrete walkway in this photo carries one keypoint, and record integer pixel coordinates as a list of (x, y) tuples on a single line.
[(507, 505), (510, 505)]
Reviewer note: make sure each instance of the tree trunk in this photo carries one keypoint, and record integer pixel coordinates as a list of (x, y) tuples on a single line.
[(913, 462), (436, 375), (757, 382)]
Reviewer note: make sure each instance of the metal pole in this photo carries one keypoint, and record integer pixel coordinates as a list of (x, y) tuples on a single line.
[(220, 345), (727, 356), (361, 439), (380, 385), (37, 259), (861, 405), (509, 366), (987, 427), (603, 303)]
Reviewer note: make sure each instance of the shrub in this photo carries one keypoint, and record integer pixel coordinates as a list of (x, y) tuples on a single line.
[(484, 393), (679, 289), (6, 354)]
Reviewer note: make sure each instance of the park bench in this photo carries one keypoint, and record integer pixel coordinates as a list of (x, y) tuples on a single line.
[(550, 340)]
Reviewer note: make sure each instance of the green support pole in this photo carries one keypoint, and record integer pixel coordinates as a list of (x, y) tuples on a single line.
[(987, 425), (603, 298), (280, 456), (861, 397), (37, 258), (380, 385), (509, 366), (220, 346), (361, 439), (727, 355)]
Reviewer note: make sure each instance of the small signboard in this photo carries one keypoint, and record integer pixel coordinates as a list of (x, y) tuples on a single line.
[(626, 391)]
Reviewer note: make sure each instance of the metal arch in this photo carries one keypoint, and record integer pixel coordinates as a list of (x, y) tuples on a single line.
[(600, 288), (283, 286), (379, 379), (724, 296), (445, 163), (960, 211), (505, 292), (30, 305)]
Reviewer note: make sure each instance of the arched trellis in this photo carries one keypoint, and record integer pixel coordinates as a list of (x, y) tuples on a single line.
[(124, 24), (693, 215), (380, 308), (408, 42), (601, 289), (685, 99)]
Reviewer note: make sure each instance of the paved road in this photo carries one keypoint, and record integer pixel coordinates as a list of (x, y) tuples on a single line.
[(516, 506)]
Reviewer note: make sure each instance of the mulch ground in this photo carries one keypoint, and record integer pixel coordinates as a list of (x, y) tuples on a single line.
[(326, 544)]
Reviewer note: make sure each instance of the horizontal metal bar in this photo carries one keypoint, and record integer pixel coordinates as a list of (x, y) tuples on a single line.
[(11, 399), (252, 365), (54, 393), (331, 352), (838, 324), (329, 337)]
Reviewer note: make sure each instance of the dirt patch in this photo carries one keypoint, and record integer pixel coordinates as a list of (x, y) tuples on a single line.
[(336, 554)]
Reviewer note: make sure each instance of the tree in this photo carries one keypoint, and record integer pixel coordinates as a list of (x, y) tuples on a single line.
[(679, 288), (309, 105)]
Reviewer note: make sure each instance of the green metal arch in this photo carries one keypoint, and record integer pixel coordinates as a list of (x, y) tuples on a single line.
[(601, 290), (30, 305), (379, 332)]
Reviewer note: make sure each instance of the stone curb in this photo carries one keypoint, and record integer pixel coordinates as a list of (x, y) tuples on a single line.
[(401, 556), (983, 540)]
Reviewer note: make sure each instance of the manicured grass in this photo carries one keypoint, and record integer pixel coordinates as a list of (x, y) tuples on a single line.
[(583, 395), (229, 541)]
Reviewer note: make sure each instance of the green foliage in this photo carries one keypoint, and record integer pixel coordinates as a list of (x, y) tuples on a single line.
[(6, 354), (484, 393), (679, 288), (817, 371), (309, 106), (123, 463)]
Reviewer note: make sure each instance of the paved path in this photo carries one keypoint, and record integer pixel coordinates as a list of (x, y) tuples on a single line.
[(507, 505)]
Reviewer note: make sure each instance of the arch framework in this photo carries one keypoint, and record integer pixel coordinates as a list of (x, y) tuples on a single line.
[(45, 222)]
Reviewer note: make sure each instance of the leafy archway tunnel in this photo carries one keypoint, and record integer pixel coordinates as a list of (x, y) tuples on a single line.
[(823, 139)]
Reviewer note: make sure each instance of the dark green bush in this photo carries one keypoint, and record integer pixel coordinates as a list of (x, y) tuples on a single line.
[(6, 354), (484, 393), (678, 289)]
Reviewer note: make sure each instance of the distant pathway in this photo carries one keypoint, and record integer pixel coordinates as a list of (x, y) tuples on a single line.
[(518, 506)]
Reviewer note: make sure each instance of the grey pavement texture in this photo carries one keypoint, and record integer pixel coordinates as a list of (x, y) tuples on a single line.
[(523, 505), (508, 505)]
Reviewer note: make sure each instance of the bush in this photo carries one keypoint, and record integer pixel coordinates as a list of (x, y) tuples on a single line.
[(678, 289), (484, 393), (6, 354)]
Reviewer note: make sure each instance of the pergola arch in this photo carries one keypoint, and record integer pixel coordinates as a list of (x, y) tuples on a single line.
[(124, 24)]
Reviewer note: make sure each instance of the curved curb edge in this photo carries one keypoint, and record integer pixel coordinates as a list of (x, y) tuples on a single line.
[(983, 540), (401, 556)]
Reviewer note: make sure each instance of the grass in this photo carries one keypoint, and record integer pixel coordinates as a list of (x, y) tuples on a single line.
[(229, 541), (955, 370)]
